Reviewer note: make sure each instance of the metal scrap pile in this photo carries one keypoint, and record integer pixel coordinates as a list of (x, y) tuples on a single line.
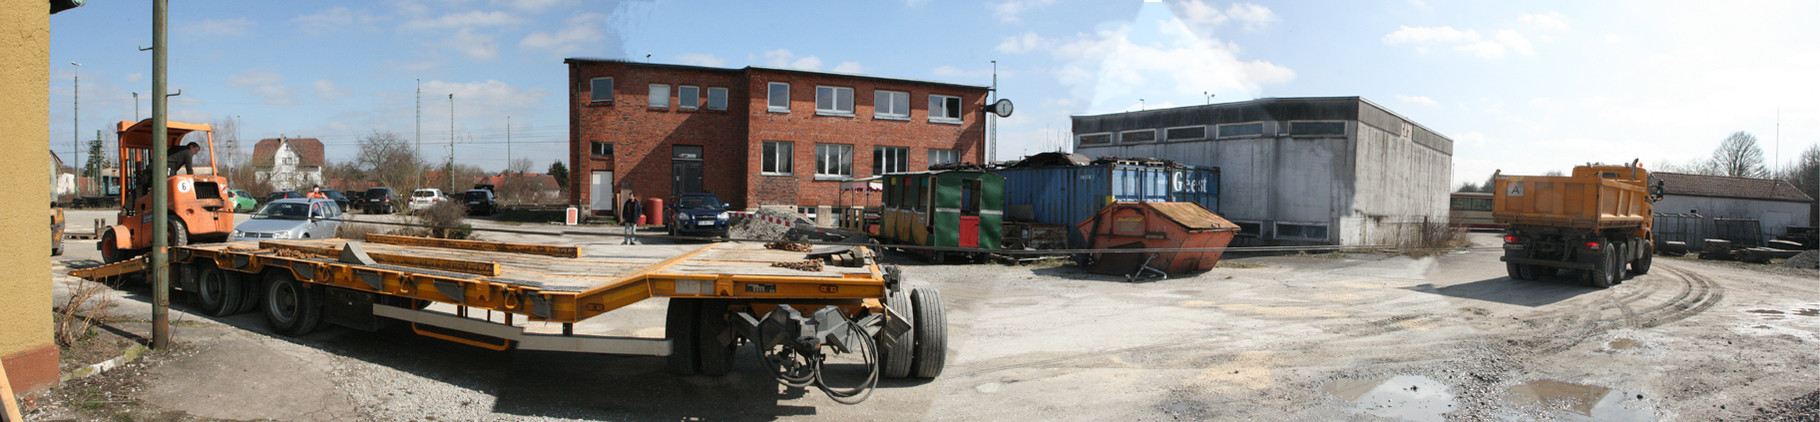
[(788, 246), (810, 265), (766, 224)]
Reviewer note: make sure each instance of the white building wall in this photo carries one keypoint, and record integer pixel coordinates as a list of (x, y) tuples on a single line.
[(1401, 186), (1774, 217), (287, 174)]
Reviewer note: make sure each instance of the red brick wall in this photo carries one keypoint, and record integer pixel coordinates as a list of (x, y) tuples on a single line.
[(733, 140)]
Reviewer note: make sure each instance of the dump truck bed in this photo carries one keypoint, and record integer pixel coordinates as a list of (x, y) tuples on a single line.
[(1581, 201)]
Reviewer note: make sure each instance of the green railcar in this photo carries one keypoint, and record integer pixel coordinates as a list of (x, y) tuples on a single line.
[(961, 208)]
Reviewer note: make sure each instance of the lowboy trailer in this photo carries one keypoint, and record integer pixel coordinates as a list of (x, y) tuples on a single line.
[(721, 296)]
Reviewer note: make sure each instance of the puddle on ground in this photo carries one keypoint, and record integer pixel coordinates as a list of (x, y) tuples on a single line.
[(1407, 397), (1623, 343), (1582, 402), (1768, 314)]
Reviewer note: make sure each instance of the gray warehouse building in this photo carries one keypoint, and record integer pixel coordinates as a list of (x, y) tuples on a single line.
[(1322, 170)]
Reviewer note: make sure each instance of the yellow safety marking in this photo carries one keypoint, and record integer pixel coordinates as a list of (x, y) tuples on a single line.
[(486, 268), (505, 344), (477, 245)]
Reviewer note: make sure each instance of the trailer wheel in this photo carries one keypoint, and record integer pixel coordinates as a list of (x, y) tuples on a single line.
[(714, 342), (895, 357), (216, 293), (291, 309), (252, 292), (1641, 266), (1602, 273), (679, 327), (931, 333)]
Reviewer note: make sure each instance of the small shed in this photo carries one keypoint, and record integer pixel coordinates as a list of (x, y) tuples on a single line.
[(1156, 225)]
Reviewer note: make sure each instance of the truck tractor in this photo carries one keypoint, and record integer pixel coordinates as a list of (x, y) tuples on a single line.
[(199, 210), (1595, 222)]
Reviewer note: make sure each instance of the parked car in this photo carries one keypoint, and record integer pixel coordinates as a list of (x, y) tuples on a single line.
[(243, 201), (341, 199), (424, 198), (480, 201), (697, 214), (292, 218), (378, 201), (283, 194)]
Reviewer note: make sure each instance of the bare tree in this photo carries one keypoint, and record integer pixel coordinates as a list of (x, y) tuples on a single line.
[(1805, 172), (1739, 156), (390, 160), (1554, 173), (1468, 187)]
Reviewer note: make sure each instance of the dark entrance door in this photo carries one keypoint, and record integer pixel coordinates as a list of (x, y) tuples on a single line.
[(685, 169)]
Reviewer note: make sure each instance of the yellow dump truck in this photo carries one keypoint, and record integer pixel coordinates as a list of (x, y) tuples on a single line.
[(1595, 221)]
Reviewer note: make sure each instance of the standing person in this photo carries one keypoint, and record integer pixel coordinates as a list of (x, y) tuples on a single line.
[(181, 157), (630, 213), (316, 192)]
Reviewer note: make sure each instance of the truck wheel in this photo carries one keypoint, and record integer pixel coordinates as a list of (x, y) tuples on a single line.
[(931, 333), (110, 248), (217, 293), (679, 327), (291, 309), (1641, 265), (894, 358), (714, 339), (1516, 271), (1602, 274), (1621, 265)]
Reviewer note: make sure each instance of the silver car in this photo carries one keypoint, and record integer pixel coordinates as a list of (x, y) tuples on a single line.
[(295, 218)]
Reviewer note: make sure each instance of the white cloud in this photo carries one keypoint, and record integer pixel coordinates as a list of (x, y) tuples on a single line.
[(1553, 21), (474, 45), (221, 27), (849, 67), (327, 91), (268, 86), (1022, 43), (1012, 10), (134, 77), (335, 19), (576, 34), (1200, 13), (1426, 37), (783, 58), (1418, 99), (1254, 16), (701, 59), (469, 19), (1251, 16), (489, 95), (1158, 61)]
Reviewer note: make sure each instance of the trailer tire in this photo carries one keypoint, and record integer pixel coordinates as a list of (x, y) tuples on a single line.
[(895, 360), (714, 341), (1602, 275), (680, 327), (1641, 266), (931, 333), (216, 293), (252, 292), (290, 308)]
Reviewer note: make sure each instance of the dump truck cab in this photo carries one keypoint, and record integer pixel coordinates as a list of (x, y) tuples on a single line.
[(198, 205)]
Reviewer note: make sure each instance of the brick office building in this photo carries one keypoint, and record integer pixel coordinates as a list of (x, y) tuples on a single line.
[(755, 136)]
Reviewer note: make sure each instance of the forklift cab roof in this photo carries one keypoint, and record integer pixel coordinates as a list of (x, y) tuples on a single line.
[(138, 135)]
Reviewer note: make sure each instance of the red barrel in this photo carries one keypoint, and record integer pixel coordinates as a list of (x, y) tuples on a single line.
[(654, 212)]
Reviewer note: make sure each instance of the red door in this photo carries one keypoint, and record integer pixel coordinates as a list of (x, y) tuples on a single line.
[(970, 231)]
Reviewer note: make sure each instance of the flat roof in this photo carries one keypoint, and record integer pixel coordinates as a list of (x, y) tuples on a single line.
[(749, 69)]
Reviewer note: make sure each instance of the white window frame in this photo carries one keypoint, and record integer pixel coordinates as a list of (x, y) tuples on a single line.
[(659, 101), (891, 98), (784, 157), (1121, 138), (1217, 135), (684, 100), (821, 169), (593, 96), (882, 156), (1166, 137), (836, 111), (934, 152), (1111, 139), (771, 98), (939, 102), (723, 98), (594, 149)]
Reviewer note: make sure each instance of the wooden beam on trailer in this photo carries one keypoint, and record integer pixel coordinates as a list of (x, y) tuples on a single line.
[(477, 245), (485, 268)]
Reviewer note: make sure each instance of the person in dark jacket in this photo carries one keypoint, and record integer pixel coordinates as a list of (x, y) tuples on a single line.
[(629, 215), (181, 157)]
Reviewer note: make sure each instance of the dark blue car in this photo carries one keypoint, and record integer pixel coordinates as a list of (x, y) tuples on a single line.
[(697, 214)]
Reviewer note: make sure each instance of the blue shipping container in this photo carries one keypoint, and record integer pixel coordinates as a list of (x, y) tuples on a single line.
[(1066, 195)]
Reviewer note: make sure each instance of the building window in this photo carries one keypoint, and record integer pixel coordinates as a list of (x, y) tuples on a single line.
[(778, 97), (1249, 228), (603, 149), (688, 97), (945, 109), (833, 161), (778, 158), (834, 100), (1096, 139), (1137, 136), (1179, 134), (891, 105), (943, 156), (717, 98), (600, 90), (1317, 128), (1302, 231), (886, 160), (1241, 130), (686, 152), (660, 96)]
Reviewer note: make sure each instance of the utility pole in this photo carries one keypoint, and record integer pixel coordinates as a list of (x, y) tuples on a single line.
[(76, 116), (991, 120), (161, 262), (508, 143), (418, 152), (450, 169)]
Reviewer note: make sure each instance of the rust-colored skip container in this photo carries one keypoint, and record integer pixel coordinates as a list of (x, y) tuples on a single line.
[(1153, 225), (1595, 197)]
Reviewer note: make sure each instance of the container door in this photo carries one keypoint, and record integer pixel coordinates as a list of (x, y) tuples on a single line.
[(969, 227)]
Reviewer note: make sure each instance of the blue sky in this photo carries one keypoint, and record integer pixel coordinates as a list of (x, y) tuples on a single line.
[(1521, 86)]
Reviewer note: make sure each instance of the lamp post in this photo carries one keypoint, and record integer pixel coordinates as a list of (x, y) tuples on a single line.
[(76, 117)]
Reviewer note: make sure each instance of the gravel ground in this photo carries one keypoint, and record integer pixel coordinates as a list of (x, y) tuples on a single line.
[(1317, 337)]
